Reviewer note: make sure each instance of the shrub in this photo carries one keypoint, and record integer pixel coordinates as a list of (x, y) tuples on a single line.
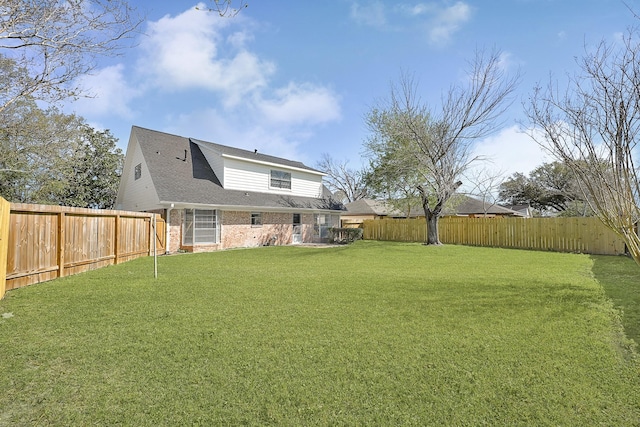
[(345, 235)]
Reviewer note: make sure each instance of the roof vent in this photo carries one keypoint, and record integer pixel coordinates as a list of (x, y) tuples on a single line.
[(255, 151)]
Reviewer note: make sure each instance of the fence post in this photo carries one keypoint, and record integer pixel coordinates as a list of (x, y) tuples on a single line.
[(5, 211), (62, 232), (116, 240)]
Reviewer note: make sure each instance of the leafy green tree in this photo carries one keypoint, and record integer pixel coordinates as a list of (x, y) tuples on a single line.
[(52, 158), (92, 174), (32, 143), (551, 187), (393, 172)]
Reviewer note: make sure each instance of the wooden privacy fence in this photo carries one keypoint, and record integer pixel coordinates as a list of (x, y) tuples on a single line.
[(583, 235), (4, 243), (45, 242)]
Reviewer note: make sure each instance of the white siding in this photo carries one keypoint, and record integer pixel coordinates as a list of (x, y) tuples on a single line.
[(248, 176), (136, 194), (306, 184)]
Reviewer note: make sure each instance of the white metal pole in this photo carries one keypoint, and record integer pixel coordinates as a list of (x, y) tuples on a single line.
[(155, 250)]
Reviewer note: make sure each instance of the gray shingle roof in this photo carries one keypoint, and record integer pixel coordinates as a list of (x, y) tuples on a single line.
[(460, 205), (374, 207), (465, 205), (181, 175), (245, 154)]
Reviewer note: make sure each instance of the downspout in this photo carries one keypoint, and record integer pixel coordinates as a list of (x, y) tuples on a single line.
[(168, 230)]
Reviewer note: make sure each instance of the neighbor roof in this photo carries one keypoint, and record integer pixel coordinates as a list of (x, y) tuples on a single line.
[(372, 207), (465, 205), (460, 205), (181, 175)]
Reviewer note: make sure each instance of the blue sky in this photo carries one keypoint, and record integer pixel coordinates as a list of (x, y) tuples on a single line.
[(296, 78)]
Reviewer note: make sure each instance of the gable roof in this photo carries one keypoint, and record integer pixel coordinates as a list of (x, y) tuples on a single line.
[(461, 205), (253, 155), (465, 205), (182, 175)]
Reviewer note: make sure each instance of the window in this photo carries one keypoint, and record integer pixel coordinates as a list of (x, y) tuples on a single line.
[(256, 219), (200, 227), (280, 179), (296, 219), (138, 171), (322, 223)]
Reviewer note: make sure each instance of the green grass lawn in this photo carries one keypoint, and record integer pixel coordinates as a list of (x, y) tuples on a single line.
[(369, 334)]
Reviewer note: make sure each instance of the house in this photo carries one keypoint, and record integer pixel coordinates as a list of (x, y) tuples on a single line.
[(459, 205), (217, 197), (462, 205), (525, 209), (364, 209)]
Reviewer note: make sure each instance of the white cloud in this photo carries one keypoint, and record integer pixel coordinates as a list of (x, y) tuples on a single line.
[(277, 124), (109, 92), (197, 64), (212, 125), (188, 52), (297, 104), (418, 9), (447, 21), (511, 150), (372, 14)]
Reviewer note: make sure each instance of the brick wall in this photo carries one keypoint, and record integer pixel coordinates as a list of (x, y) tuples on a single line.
[(237, 231), (175, 229)]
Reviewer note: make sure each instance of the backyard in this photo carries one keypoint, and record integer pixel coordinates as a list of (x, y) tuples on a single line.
[(367, 334)]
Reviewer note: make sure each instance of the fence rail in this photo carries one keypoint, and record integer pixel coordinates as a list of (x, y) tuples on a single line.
[(584, 235), (45, 242)]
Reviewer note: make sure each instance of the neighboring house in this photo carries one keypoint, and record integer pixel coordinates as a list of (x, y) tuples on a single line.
[(460, 205), (525, 209), (218, 197), (364, 209)]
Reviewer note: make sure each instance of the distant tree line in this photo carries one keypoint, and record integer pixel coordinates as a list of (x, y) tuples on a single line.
[(551, 188), (53, 158)]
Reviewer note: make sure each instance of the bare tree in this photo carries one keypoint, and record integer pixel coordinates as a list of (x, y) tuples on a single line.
[(48, 43), (225, 8), (439, 143), (347, 184), (593, 127), (485, 185)]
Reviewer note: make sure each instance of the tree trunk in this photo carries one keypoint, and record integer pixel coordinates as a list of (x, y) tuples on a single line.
[(432, 229), (432, 216)]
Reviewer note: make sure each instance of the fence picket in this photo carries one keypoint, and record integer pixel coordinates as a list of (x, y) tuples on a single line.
[(584, 235), (5, 212), (44, 242)]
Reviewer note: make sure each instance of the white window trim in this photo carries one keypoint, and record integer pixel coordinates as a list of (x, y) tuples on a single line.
[(258, 216), (271, 171), (193, 240)]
